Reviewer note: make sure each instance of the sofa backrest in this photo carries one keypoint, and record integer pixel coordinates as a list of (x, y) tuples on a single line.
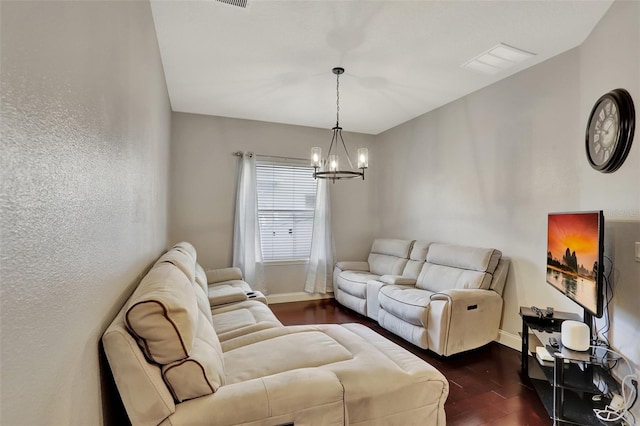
[(161, 347), (187, 263), (458, 267), (389, 256), (417, 257)]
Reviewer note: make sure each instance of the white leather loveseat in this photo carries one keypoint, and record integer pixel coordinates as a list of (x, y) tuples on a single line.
[(387, 257), (177, 360), (447, 298)]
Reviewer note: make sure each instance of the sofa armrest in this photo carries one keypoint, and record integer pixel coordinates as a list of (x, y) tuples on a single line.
[(304, 395), (397, 279), (471, 295), (224, 274), (350, 265), (221, 295), (463, 319)]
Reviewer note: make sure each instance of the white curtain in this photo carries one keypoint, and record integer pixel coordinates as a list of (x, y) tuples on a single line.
[(320, 269), (247, 253)]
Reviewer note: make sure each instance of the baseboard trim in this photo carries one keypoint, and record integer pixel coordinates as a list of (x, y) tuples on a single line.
[(510, 340), (299, 296)]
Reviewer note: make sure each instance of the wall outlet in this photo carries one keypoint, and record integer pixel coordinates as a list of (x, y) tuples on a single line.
[(637, 251)]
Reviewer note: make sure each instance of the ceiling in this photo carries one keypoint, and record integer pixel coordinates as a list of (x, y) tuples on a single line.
[(272, 61)]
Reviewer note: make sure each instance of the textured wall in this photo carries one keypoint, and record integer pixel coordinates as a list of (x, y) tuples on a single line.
[(84, 163), (487, 169), (203, 185)]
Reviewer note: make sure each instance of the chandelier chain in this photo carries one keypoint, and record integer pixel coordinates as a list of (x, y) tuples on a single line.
[(337, 100)]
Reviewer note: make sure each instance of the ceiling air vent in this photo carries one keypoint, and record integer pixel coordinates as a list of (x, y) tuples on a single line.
[(239, 3), (498, 58)]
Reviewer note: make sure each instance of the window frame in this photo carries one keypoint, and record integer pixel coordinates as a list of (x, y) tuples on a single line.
[(297, 167)]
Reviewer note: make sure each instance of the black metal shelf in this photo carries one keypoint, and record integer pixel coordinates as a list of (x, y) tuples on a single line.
[(577, 409), (583, 375)]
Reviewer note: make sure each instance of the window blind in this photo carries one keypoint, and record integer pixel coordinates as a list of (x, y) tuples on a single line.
[(286, 203)]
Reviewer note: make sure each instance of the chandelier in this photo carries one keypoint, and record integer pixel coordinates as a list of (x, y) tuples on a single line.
[(332, 162)]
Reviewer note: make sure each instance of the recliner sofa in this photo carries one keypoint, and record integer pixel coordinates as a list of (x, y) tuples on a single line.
[(442, 297), (178, 360)]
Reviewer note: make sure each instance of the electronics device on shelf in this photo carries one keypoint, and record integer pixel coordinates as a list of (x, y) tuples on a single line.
[(537, 311), (575, 335), (543, 354), (575, 250)]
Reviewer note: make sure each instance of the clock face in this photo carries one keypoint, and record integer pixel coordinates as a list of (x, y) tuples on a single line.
[(610, 131), (603, 132)]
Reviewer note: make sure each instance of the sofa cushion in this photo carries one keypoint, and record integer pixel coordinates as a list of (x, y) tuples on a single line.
[(383, 380), (355, 282), (201, 278), (163, 313), (201, 373), (458, 267), (472, 258), (227, 321), (264, 358), (188, 248), (419, 251), (438, 278), (392, 247), (238, 319), (181, 260), (406, 302), (203, 302), (382, 264), (416, 259)]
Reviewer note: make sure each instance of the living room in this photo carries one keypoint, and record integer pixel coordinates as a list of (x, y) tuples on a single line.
[(100, 176)]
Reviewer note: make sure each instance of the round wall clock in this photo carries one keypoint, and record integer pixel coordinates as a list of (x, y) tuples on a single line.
[(610, 131)]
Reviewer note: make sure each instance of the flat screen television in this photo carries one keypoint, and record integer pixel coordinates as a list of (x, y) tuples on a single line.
[(575, 249)]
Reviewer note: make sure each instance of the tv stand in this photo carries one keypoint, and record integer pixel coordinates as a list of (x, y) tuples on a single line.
[(566, 384)]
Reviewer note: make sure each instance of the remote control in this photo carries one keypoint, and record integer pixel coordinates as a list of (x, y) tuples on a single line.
[(554, 342)]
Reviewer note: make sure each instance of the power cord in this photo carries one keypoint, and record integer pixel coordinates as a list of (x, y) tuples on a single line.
[(618, 408), (608, 294)]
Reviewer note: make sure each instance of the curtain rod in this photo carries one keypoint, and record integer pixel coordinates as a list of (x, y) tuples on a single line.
[(250, 154)]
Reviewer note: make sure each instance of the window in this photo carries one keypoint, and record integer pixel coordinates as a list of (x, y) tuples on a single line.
[(286, 202)]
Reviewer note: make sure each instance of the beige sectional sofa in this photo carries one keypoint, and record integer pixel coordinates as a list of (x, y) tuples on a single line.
[(178, 360), (442, 297)]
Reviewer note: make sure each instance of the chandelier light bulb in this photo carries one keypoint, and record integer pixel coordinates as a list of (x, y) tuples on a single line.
[(363, 158), (333, 163), (316, 156)]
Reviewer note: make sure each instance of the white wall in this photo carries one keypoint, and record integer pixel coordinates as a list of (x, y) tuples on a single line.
[(84, 163), (615, 43), (486, 169), (203, 186)]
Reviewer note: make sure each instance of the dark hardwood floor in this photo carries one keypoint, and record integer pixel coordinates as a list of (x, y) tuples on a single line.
[(485, 385)]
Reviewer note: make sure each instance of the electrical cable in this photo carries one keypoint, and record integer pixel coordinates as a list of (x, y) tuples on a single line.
[(614, 414), (608, 299), (635, 384)]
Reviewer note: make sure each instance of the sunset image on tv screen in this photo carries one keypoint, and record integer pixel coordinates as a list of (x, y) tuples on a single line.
[(572, 256)]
